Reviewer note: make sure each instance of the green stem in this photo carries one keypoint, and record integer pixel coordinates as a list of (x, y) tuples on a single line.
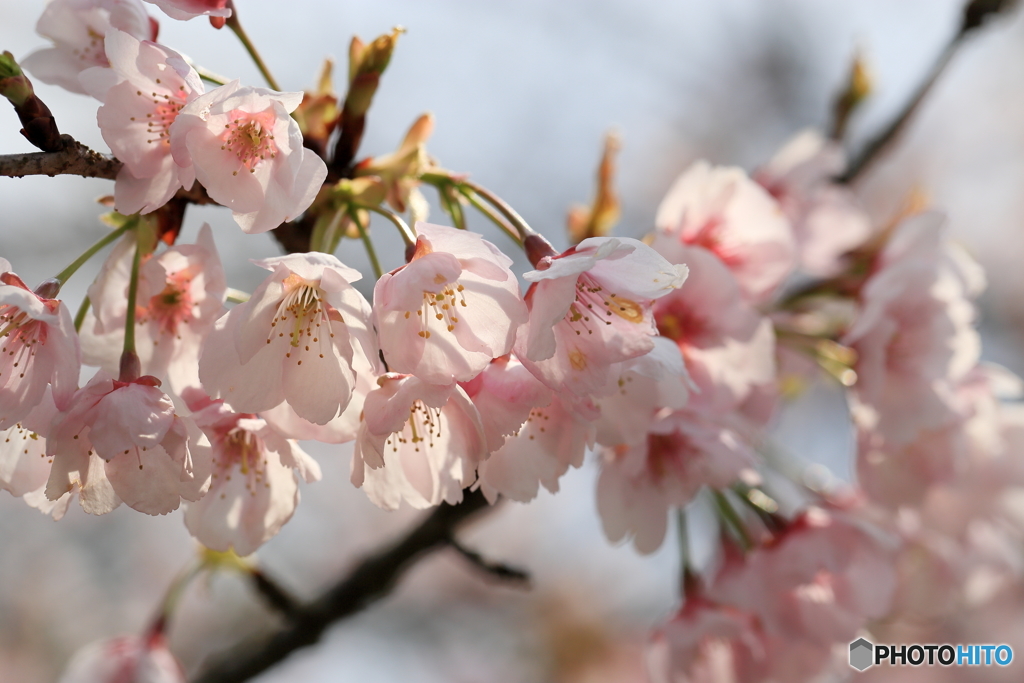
[(133, 291), (208, 75), (234, 25), (80, 315), (177, 588), (451, 204), (65, 274), (732, 519), (407, 234), (517, 221), (487, 211), (365, 236)]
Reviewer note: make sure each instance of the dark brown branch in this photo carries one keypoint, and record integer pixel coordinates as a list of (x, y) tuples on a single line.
[(974, 16), (274, 595), (371, 580), (74, 159), (497, 570)]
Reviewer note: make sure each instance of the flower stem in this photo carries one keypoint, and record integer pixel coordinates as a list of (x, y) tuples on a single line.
[(234, 25), (133, 291), (407, 234), (210, 76), (365, 236), (487, 211), (80, 315), (733, 520), (507, 211), (65, 274)]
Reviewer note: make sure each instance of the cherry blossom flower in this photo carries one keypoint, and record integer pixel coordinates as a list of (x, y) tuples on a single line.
[(123, 659), (24, 467), (293, 341), (143, 446), (819, 582), (728, 214), (728, 347), (418, 442), (708, 643), (180, 296), (590, 307), (183, 10), (248, 154), (38, 347), (451, 310), (505, 393), (825, 216), (642, 390), (142, 92), (254, 488), (641, 482), (553, 439), (77, 29), (914, 334)]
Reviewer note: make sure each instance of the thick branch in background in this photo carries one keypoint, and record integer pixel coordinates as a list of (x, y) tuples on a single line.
[(372, 579), (976, 13)]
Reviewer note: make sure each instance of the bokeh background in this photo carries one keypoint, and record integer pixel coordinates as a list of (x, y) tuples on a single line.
[(523, 93)]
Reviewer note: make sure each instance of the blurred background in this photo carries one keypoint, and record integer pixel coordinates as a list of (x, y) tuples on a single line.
[(523, 93)]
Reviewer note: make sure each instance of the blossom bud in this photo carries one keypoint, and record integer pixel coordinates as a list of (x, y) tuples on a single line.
[(40, 128), (603, 214)]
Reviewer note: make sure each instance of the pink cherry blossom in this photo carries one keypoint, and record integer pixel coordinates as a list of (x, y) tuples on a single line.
[(590, 307), (143, 446), (77, 29), (826, 217), (24, 466), (451, 310), (728, 346), (184, 10), (254, 488), (125, 659), (819, 582), (505, 393), (708, 643), (914, 334), (247, 152), (641, 482), (553, 439), (38, 347), (418, 442), (293, 341), (180, 296), (728, 214), (642, 390), (142, 92)]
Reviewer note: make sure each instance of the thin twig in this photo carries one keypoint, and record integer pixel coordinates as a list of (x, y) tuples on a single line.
[(974, 16), (498, 570), (370, 581)]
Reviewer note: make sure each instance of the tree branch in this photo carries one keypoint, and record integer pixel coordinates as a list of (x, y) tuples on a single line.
[(371, 580), (74, 159), (975, 15)]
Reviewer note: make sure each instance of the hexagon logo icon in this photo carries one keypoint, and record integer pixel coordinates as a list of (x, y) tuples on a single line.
[(861, 654)]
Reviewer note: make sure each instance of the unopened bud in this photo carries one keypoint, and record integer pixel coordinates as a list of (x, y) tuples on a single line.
[(14, 85), (366, 64), (603, 214), (858, 88)]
